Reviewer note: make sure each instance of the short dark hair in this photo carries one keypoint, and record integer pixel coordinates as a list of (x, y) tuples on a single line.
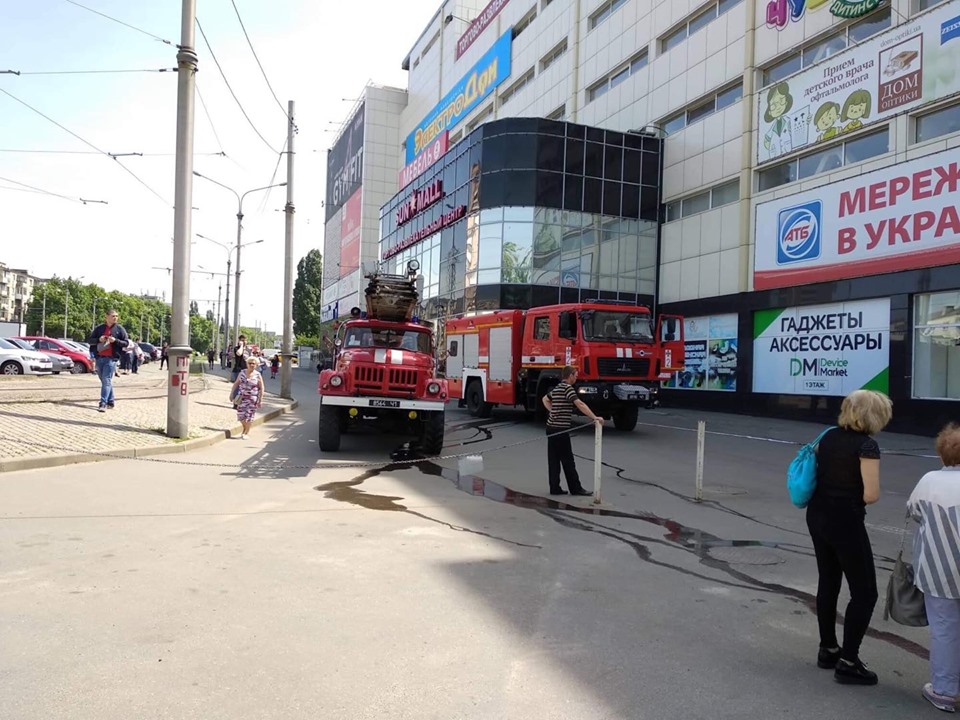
[(242, 337), (948, 445), (568, 372)]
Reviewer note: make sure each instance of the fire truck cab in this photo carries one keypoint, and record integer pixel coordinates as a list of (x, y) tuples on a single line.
[(514, 357)]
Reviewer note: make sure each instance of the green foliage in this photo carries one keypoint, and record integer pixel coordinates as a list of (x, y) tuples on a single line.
[(201, 333), (307, 294)]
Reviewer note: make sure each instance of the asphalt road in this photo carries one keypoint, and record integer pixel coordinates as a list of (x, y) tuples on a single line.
[(249, 582)]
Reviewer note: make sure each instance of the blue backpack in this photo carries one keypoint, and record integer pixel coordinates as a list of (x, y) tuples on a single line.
[(802, 473)]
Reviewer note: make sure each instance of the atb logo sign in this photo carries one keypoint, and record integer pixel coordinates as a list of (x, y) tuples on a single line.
[(798, 233)]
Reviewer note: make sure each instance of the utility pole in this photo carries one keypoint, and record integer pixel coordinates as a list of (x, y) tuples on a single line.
[(286, 367), (216, 335), (43, 318), (94, 315), (226, 319), (178, 424), (66, 308)]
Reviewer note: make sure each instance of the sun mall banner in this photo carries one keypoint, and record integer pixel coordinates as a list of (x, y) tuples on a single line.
[(910, 65), (902, 217), (822, 349)]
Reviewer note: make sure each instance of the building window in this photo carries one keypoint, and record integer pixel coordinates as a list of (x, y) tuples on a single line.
[(936, 346), (552, 56), (521, 83), (559, 113), (851, 152), (702, 109), (456, 137), (631, 67), (825, 47), (715, 197), (605, 11), (921, 5), (937, 123), (433, 41), (544, 4), (484, 114), (695, 23), (524, 22)]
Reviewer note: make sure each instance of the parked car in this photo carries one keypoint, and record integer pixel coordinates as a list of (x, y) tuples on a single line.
[(150, 351), (61, 363), (14, 360), (82, 362)]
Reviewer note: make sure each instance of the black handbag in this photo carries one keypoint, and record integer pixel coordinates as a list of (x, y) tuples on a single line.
[(905, 603)]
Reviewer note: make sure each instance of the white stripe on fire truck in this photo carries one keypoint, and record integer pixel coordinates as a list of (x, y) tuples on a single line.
[(540, 359), (380, 356), (396, 357), (484, 358)]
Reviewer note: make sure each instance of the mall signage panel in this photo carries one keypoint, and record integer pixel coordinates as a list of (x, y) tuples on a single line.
[(479, 24), (350, 221), (822, 349), (710, 354), (474, 87), (898, 70), (433, 152), (782, 12), (345, 165), (903, 217)]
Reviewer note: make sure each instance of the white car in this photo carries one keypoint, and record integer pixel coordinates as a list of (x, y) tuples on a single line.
[(17, 361)]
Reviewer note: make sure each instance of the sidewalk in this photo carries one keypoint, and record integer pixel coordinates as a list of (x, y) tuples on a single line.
[(51, 421)]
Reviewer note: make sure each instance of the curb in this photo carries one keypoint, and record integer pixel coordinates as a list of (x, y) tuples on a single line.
[(50, 461)]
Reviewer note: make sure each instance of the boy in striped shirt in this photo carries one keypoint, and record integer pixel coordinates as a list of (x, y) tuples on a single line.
[(560, 402)]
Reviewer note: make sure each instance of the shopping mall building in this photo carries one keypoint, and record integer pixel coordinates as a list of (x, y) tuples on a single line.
[(784, 173)]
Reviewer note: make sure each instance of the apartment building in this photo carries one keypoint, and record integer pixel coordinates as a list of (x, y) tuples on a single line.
[(16, 289)]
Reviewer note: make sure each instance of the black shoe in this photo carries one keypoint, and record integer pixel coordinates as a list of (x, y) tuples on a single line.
[(558, 492), (581, 491), (101, 408), (854, 673), (827, 659), (110, 406)]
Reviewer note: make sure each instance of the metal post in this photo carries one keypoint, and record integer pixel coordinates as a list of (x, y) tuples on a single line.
[(701, 434), (216, 335), (178, 424), (226, 318), (43, 318), (286, 367), (94, 315), (236, 284), (66, 308), (597, 460)]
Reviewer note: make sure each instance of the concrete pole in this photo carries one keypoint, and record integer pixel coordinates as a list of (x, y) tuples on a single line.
[(236, 284), (226, 318), (66, 308), (286, 367), (216, 335), (43, 317), (178, 423), (94, 315)]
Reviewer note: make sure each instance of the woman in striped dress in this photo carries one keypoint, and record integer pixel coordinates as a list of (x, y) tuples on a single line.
[(935, 503)]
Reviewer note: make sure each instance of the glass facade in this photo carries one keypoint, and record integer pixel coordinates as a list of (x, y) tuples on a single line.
[(530, 212), (936, 346)]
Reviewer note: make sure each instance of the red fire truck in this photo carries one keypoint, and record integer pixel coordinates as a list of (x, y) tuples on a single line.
[(514, 357), (385, 369)]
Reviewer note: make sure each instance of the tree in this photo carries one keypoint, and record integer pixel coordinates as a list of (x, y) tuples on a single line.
[(307, 294), (210, 316), (194, 308)]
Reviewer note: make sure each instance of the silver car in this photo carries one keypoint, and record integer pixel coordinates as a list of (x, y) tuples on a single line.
[(14, 360)]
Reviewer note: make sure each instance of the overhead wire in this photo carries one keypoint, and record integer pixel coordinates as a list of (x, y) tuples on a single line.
[(86, 142), (206, 112), (227, 83), (96, 152), (273, 178), (121, 22), (255, 57), (32, 188), (92, 72)]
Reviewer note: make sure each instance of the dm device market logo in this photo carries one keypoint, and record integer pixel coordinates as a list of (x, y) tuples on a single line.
[(798, 233)]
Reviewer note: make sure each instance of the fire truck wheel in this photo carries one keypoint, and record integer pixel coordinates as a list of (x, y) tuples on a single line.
[(432, 441), (329, 437), (625, 418), (476, 405)]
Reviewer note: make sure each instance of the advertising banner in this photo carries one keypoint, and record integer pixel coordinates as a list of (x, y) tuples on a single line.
[(781, 12), (710, 354), (433, 152), (345, 165), (899, 218), (910, 65), (479, 24), (350, 234), (822, 349), (474, 87)]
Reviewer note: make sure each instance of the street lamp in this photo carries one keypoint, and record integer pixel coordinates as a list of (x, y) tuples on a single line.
[(226, 310), (240, 198)]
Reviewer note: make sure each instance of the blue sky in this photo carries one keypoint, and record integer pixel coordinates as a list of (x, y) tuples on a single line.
[(314, 52)]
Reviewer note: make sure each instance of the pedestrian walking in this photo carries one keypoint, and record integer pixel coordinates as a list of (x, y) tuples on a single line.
[(935, 504), (248, 389), (135, 353), (108, 340), (239, 354), (274, 367), (164, 357), (210, 356), (848, 479), (560, 403)]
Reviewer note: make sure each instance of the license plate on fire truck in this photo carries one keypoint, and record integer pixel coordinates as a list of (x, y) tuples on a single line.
[(385, 403), (631, 392)]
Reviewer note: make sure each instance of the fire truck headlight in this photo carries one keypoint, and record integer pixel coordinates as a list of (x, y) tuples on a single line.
[(433, 388), (336, 381), (587, 390)]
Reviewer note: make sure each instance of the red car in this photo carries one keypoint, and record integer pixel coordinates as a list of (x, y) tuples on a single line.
[(82, 363)]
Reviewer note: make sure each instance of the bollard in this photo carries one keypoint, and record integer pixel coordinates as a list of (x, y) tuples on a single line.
[(597, 460), (701, 433)]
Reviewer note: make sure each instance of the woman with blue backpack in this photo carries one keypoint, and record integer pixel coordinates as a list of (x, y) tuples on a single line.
[(847, 480)]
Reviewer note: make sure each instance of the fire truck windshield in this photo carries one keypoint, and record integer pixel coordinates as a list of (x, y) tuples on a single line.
[(617, 326), (367, 337)]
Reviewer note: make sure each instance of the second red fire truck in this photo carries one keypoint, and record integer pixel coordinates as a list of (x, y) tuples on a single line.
[(514, 357)]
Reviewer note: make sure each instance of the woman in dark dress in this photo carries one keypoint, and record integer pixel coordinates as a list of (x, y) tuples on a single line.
[(848, 479)]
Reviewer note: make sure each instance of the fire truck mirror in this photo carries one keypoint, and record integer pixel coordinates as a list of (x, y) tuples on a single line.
[(669, 330), (568, 325), (452, 352)]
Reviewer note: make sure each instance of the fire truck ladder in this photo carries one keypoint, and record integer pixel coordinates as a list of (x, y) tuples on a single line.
[(392, 297)]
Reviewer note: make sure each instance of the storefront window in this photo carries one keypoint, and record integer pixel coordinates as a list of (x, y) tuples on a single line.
[(936, 346)]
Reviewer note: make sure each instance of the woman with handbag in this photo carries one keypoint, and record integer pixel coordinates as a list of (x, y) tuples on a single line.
[(848, 479), (248, 389), (935, 504)]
